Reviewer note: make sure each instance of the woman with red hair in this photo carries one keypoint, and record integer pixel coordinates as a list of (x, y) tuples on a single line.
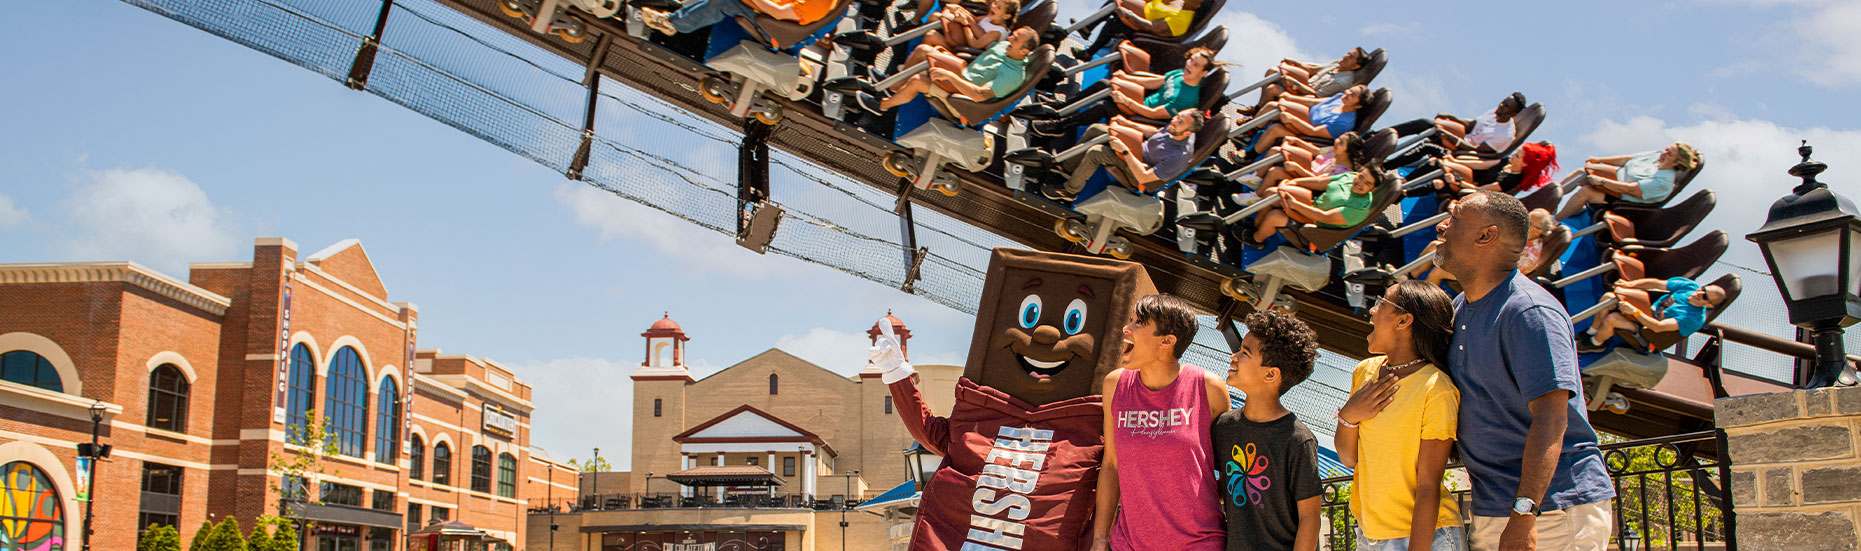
[(1529, 168)]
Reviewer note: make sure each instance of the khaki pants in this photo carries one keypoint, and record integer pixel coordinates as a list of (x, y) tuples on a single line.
[(1584, 527), (1079, 169)]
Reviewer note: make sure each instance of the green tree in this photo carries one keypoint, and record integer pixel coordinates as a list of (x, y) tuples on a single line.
[(200, 536), (159, 537), (260, 538), (283, 535), (225, 536), (597, 464), (301, 462)]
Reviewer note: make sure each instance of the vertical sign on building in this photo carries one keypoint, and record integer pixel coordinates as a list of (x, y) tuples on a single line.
[(407, 404), (83, 479), (284, 350)]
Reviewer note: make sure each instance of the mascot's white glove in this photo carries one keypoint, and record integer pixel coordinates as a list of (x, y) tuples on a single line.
[(887, 358)]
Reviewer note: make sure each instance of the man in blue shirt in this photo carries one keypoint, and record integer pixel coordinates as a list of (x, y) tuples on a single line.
[(1311, 117), (1538, 476), (1682, 311)]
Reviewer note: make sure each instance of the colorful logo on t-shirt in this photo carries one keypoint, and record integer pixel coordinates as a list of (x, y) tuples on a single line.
[(1246, 476)]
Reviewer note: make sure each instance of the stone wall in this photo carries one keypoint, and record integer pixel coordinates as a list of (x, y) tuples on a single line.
[(1796, 468)]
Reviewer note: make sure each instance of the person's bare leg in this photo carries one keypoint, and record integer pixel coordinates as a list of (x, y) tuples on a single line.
[(1268, 94), (1271, 137), (907, 90), (936, 38), (1274, 176), (1133, 139), (918, 54), (1583, 197), (1270, 222), (1607, 323), (1136, 60), (1417, 272)]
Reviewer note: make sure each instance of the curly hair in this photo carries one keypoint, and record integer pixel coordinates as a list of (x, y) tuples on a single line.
[(1285, 343)]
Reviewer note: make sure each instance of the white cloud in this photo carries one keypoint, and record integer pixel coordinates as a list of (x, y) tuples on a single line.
[(584, 403), (838, 351), (11, 216), (1822, 33), (1746, 164), (149, 215), (1256, 44), (1392, 29), (699, 249)]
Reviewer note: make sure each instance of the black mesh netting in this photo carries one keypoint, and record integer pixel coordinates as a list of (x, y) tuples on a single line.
[(487, 83)]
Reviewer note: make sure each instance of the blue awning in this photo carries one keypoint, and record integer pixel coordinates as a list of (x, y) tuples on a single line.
[(902, 494)]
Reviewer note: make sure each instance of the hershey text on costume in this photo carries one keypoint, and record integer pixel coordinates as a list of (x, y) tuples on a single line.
[(1012, 470)]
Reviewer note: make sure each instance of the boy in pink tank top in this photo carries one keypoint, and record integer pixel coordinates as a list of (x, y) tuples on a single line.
[(1156, 489), (1267, 459)]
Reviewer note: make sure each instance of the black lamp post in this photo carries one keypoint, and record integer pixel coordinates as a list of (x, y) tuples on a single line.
[(595, 473), (846, 503), (647, 489), (95, 453), (915, 468), (1809, 241)]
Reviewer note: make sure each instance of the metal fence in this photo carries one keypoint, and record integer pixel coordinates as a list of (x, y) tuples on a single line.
[(618, 501), (1671, 494)]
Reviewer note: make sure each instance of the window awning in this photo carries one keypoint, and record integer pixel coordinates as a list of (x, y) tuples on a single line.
[(726, 475)]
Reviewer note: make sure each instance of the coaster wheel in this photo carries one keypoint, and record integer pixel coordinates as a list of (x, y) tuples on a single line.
[(1119, 249), (572, 34), (769, 115), (511, 8), (948, 189), (897, 163), (1233, 289), (1062, 227), (713, 89)]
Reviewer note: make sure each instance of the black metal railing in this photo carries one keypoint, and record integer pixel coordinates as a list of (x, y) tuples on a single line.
[(675, 501), (1671, 493)]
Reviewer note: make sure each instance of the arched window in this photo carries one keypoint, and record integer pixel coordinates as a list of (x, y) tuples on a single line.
[(772, 384), (388, 422), (29, 368), (481, 469), (507, 475), (345, 403), (416, 459), (300, 397), (168, 399), (30, 507), (442, 463)]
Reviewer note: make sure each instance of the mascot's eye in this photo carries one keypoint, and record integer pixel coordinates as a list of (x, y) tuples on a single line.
[(1075, 317), (1030, 311)]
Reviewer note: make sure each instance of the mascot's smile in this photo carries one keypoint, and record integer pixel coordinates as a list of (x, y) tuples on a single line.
[(1041, 370)]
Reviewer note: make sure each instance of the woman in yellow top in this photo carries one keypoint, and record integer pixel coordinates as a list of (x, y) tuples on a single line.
[(1398, 426)]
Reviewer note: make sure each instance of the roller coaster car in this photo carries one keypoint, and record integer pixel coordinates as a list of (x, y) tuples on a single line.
[(1556, 242), (1366, 116), (1545, 197), (1204, 14), (1379, 58), (864, 46), (958, 136), (755, 65), (1627, 224), (1687, 261), (1523, 124), (1118, 207), (1681, 180), (1303, 259), (555, 17), (1623, 366), (1165, 56)]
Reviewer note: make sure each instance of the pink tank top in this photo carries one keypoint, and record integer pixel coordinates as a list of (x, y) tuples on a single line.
[(1166, 479)]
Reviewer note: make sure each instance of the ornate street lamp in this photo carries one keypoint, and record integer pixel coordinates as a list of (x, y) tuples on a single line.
[(95, 452), (1809, 241), (919, 463)]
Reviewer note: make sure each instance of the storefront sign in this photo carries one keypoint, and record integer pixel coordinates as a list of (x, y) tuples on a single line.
[(499, 423), (338, 530), (284, 350)]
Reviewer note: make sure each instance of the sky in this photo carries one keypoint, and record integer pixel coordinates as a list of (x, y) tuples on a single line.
[(151, 141)]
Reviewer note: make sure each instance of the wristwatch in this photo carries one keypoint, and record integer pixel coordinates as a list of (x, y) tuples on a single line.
[(1524, 506)]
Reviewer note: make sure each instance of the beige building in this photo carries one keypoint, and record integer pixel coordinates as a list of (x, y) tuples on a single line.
[(771, 453)]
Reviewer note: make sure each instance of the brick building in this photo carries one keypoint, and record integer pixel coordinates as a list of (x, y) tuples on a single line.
[(770, 453), (200, 383)]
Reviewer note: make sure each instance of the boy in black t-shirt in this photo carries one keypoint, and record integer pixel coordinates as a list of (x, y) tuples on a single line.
[(1266, 459)]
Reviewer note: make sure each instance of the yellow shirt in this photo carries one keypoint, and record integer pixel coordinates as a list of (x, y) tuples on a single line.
[(1426, 406), (1177, 19)]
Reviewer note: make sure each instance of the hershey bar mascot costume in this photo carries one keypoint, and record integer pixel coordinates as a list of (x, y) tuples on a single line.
[(1023, 443)]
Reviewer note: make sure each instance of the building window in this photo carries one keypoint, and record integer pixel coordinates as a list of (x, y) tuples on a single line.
[(416, 459), (161, 496), (773, 384), (413, 517), (753, 461), (440, 514), (301, 395), (30, 508), (384, 501), (168, 399), (481, 469), (788, 466), (716, 461), (442, 464), (341, 494), (888, 405), (29, 368), (658, 407), (507, 475), (388, 422), (293, 488), (345, 402)]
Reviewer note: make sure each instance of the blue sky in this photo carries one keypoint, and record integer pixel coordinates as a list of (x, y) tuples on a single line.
[(143, 139)]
